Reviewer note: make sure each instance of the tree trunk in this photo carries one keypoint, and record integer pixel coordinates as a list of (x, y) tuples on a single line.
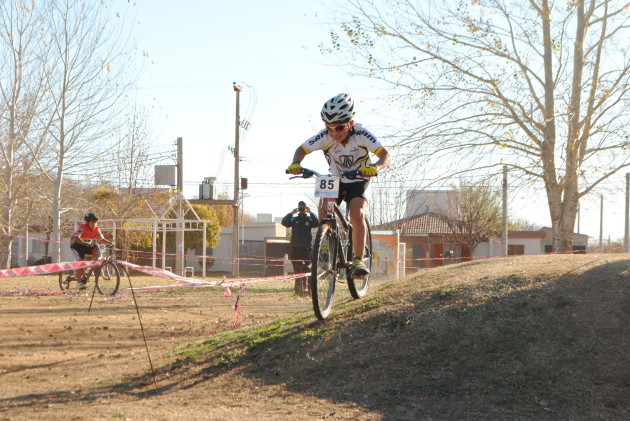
[(563, 226), (8, 199), (56, 219)]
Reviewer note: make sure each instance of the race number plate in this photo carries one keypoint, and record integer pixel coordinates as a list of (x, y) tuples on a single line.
[(327, 187)]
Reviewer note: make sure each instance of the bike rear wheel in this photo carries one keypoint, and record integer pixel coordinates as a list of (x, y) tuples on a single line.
[(108, 278), (359, 286), (323, 272)]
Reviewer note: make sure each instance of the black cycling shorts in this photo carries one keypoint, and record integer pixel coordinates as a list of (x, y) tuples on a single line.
[(81, 250), (348, 191)]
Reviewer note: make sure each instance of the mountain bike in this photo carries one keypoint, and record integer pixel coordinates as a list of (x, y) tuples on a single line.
[(106, 276), (332, 250)]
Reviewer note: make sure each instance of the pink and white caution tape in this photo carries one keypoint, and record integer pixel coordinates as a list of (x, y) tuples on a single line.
[(188, 282), (192, 282), (160, 273), (48, 269)]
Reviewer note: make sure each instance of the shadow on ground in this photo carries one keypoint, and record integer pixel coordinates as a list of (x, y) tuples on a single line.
[(532, 340)]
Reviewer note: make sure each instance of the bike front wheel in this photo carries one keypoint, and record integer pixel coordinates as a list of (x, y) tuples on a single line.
[(108, 278), (359, 286), (323, 272)]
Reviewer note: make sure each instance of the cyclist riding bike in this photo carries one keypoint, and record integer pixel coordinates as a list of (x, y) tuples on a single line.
[(347, 146), (82, 243)]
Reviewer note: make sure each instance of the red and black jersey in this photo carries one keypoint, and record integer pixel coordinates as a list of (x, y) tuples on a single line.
[(87, 234)]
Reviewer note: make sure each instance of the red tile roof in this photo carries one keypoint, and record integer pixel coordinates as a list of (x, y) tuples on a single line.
[(434, 223), (425, 223)]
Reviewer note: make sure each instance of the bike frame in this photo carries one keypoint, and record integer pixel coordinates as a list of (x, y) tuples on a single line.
[(335, 217), (332, 251)]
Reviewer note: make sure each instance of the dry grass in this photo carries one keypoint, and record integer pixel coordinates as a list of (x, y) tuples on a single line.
[(543, 337), (525, 338)]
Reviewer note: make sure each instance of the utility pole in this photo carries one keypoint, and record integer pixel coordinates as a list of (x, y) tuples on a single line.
[(179, 234), (235, 224), (504, 220), (180, 165), (601, 224), (626, 235)]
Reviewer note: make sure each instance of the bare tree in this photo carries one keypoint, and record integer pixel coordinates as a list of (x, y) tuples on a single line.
[(478, 215), (539, 86), (21, 93), (89, 76), (134, 154), (388, 195)]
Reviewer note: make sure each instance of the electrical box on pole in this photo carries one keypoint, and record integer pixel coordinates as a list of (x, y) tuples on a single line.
[(165, 175), (243, 184), (206, 188)]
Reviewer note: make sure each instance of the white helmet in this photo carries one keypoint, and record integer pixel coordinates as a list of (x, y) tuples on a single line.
[(339, 109)]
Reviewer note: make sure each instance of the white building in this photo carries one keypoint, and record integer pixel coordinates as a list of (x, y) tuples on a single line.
[(527, 243), (252, 236), (443, 202)]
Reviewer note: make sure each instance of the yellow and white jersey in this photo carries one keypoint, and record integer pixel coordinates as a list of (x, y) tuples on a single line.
[(350, 156)]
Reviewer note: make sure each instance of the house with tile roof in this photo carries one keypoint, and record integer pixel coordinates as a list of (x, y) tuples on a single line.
[(430, 241)]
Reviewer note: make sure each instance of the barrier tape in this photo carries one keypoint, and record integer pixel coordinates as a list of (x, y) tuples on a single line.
[(192, 282), (189, 282), (48, 268), (237, 306), (220, 258), (161, 273), (268, 259)]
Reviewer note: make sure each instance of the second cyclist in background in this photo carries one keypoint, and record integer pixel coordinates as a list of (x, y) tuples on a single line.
[(82, 243), (347, 146)]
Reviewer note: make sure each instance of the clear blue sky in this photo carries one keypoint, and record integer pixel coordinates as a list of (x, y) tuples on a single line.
[(197, 48)]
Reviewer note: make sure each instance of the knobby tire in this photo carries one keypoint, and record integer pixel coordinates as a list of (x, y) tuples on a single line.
[(323, 271), (108, 278), (359, 286)]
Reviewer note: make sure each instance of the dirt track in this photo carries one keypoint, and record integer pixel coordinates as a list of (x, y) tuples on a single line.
[(56, 357), (527, 338)]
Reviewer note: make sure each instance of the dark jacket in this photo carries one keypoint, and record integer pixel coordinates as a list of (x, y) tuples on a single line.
[(301, 225)]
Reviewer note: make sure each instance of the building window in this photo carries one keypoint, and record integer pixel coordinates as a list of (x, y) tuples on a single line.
[(516, 249)]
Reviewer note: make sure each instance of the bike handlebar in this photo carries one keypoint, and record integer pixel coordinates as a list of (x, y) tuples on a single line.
[(307, 173)]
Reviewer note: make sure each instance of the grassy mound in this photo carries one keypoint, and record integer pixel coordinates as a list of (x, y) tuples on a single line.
[(532, 337)]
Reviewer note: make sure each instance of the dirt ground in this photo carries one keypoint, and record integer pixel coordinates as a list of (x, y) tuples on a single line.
[(527, 338), (59, 361)]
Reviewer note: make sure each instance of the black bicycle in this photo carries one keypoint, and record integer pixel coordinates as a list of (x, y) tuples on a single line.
[(106, 276), (332, 250)]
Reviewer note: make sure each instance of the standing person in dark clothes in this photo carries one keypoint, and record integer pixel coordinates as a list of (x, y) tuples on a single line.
[(301, 221)]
